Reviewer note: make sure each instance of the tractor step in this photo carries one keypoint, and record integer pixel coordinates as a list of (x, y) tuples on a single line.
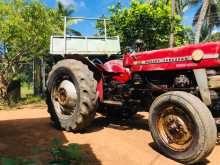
[(114, 103)]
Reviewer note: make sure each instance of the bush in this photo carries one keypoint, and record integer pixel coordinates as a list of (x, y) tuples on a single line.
[(60, 155)]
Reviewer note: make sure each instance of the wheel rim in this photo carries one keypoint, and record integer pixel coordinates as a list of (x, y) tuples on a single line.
[(175, 128), (65, 97)]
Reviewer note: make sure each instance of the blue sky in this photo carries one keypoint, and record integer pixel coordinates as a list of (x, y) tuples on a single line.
[(97, 8), (87, 8)]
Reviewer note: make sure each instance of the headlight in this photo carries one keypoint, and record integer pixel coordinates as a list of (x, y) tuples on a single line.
[(197, 55)]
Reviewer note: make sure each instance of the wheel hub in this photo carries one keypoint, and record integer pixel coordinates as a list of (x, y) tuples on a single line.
[(66, 94), (175, 129)]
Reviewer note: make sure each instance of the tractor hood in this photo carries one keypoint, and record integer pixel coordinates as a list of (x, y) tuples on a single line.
[(188, 57)]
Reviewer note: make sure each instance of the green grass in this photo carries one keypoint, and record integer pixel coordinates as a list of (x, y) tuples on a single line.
[(27, 97), (57, 152), (26, 90), (30, 99)]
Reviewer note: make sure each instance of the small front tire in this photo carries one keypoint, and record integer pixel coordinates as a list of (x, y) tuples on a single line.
[(182, 127)]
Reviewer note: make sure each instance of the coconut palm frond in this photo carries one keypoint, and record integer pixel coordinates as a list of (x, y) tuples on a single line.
[(73, 32), (212, 17), (68, 11), (196, 16), (205, 32), (65, 10)]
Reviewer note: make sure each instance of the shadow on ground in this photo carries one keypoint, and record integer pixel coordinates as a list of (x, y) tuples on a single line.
[(155, 147), (138, 122), (19, 137)]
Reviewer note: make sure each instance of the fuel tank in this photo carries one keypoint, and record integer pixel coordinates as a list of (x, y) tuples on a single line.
[(117, 70)]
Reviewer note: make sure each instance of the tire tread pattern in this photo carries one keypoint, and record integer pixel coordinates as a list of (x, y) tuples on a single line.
[(88, 96), (207, 127)]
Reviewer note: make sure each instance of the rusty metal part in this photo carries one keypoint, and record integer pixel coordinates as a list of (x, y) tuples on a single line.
[(175, 128), (65, 97)]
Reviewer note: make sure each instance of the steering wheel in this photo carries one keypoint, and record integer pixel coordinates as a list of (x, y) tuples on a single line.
[(97, 61)]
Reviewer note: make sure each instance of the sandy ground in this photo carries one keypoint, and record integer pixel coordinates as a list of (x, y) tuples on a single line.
[(106, 142)]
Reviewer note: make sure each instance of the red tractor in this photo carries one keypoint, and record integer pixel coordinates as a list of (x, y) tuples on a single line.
[(180, 87)]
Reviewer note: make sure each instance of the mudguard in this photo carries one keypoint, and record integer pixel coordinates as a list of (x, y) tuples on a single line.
[(118, 71)]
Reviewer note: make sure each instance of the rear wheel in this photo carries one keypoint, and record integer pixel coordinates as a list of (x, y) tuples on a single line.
[(71, 96), (182, 127)]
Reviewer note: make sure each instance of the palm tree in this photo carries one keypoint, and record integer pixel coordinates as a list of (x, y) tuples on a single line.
[(67, 11), (178, 7), (200, 21), (207, 16)]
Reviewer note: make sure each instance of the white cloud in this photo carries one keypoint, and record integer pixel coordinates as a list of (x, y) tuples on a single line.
[(67, 2), (215, 30), (77, 3), (82, 4)]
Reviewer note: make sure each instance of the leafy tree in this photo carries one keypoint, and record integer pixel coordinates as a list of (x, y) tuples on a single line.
[(146, 21), (180, 5), (25, 30), (206, 18)]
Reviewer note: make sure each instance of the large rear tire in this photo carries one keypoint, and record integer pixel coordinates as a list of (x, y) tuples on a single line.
[(182, 127), (71, 95)]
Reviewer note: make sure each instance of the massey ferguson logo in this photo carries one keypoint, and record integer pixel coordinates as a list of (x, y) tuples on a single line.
[(175, 59)]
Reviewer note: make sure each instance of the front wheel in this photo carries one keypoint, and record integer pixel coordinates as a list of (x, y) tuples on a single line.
[(182, 127)]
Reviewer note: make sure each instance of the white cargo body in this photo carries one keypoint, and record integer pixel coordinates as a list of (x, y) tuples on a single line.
[(61, 45)]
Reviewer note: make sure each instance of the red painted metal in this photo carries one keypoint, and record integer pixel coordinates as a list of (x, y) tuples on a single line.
[(100, 90), (209, 49), (122, 69), (116, 67), (118, 71)]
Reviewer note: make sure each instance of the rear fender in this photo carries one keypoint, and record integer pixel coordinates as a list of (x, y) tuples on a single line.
[(118, 71)]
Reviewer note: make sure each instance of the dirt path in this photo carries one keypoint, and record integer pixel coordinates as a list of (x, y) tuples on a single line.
[(107, 143)]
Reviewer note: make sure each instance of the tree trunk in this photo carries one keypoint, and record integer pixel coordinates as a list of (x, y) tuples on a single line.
[(201, 20), (3, 89), (43, 76), (14, 91), (37, 77), (172, 24)]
